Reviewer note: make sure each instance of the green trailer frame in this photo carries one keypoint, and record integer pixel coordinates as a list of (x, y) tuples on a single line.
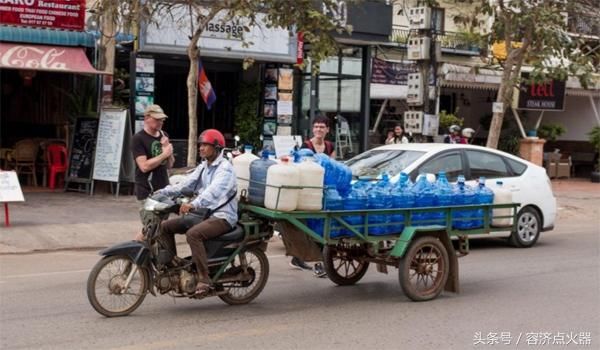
[(423, 251)]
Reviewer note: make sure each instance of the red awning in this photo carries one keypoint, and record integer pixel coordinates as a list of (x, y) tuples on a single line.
[(46, 58)]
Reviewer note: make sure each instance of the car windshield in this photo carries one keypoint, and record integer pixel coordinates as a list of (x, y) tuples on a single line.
[(374, 162)]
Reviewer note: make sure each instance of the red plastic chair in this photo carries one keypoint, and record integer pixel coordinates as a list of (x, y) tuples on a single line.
[(57, 162)]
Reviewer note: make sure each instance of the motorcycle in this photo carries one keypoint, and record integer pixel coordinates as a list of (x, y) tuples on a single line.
[(127, 272)]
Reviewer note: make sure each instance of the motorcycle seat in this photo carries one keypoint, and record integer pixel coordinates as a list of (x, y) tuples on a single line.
[(235, 234)]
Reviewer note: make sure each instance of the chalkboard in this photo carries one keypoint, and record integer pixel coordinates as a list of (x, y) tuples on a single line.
[(109, 145), (82, 150)]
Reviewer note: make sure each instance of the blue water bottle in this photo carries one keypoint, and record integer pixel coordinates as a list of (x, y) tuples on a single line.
[(424, 197), (443, 192)]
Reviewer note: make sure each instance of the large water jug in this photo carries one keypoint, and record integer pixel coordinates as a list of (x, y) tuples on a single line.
[(444, 195), (311, 175), (502, 196), (483, 195), (333, 201), (258, 178), (302, 153), (402, 197), (356, 200), (424, 197), (344, 183), (278, 175), (241, 166), (379, 197), (331, 175), (464, 195)]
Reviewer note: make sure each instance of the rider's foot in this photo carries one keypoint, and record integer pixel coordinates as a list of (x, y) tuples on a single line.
[(299, 264), (177, 261), (203, 289)]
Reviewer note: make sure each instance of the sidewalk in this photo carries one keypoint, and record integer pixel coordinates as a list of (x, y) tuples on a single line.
[(59, 220)]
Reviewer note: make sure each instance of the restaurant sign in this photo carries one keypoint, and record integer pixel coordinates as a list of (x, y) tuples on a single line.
[(59, 14), (540, 96)]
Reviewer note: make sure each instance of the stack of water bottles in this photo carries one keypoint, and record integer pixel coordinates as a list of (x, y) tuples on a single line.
[(341, 193)]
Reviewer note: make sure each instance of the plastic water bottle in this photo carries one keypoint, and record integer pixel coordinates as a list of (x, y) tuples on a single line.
[(331, 175), (258, 178), (378, 197), (443, 192), (424, 197), (402, 197), (333, 201), (356, 200), (344, 183), (484, 196), (464, 195)]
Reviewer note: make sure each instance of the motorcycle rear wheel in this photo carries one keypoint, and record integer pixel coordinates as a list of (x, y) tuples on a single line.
[(104, 286), (244, 292)]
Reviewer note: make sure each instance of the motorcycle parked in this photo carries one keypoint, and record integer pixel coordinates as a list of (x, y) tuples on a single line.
[(238, 266)]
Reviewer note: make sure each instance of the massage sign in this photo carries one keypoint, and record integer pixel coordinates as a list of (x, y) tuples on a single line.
[(542, 96), (58, 14)]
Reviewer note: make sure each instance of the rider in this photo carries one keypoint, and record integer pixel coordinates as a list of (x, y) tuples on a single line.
[(454, 136), (214, 181)]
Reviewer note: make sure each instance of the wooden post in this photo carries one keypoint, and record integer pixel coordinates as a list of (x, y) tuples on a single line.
[(6, 217)]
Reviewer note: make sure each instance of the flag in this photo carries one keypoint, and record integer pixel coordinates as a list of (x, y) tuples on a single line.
[(206, 89)]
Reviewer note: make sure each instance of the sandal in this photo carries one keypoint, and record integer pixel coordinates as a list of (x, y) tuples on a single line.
[(203, 289)]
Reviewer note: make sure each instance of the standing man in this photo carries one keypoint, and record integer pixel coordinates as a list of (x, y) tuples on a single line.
[(153, 154)]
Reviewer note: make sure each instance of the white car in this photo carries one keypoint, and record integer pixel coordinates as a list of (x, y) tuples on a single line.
[(529, 183)]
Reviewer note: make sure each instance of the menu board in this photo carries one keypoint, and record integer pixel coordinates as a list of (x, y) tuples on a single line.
[(82, 150), (109, 146), (10, 189)]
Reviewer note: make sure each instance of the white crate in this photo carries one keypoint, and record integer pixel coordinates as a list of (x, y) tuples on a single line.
[(419, 18), (418, 48), (414, 95), (413, 122)]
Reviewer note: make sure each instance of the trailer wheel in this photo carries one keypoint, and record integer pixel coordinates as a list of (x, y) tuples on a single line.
[(341, 265), (424, 269)]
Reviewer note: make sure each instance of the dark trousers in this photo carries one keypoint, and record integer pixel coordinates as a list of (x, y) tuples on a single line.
[(207, 229)]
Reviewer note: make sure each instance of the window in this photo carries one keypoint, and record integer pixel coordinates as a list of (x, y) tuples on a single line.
[(451, 163), (486, 164), (374, 162), (517, 168)]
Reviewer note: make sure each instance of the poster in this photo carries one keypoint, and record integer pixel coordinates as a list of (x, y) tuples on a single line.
[(269, 127), (145, 84), (285, 108), (144, 65), (286, 79), (284, 119), (269, 109), (142, 102), (271, 75), (270, 92)]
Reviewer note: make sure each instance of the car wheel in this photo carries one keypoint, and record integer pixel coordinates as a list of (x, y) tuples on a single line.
[(528, 228)]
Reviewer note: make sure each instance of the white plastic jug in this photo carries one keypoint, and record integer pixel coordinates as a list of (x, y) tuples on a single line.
[(311, 174), (241, 166), (284, 174), (501, 196)]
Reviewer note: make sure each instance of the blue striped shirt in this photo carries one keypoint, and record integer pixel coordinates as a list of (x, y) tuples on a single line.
[(217, 185)]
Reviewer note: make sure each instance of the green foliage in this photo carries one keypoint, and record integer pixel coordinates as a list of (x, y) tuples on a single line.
[(509, 143), (120, 87), (248, 121), (81, 101), (448, 119), (594, 135), (551, 131)]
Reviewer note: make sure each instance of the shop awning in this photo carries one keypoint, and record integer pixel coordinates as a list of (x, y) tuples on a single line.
[(46, 36), (468, 77), (45, 58)]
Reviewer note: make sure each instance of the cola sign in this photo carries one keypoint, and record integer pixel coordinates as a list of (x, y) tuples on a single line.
[(46, 58), (60, 14)]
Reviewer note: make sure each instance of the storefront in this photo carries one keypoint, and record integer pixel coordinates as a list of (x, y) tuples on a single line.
[(223, 56), (46, 75), (341, 90)]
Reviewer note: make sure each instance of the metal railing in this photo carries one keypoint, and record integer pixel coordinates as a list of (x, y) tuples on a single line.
[(453, 41)]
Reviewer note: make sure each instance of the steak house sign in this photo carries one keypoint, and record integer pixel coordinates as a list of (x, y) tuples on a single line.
[(59, 14)]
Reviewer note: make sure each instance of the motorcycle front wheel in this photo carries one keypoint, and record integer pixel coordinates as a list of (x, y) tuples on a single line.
[(243, 292), (106, 286)]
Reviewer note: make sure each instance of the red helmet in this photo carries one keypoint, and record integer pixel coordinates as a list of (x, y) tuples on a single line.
[(212, 137)]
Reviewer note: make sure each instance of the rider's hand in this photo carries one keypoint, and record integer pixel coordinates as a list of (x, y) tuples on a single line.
[(185, 208)]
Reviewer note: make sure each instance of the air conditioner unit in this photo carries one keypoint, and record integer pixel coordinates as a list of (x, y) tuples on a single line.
[(414, 96), (418, 48), (419, 18), (413, 121)]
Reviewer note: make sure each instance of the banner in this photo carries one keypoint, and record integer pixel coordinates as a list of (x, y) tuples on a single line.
[(392, 73), (59, 14)]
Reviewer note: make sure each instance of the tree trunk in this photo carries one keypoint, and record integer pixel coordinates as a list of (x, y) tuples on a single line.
[(498, 117), (192, 89)]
